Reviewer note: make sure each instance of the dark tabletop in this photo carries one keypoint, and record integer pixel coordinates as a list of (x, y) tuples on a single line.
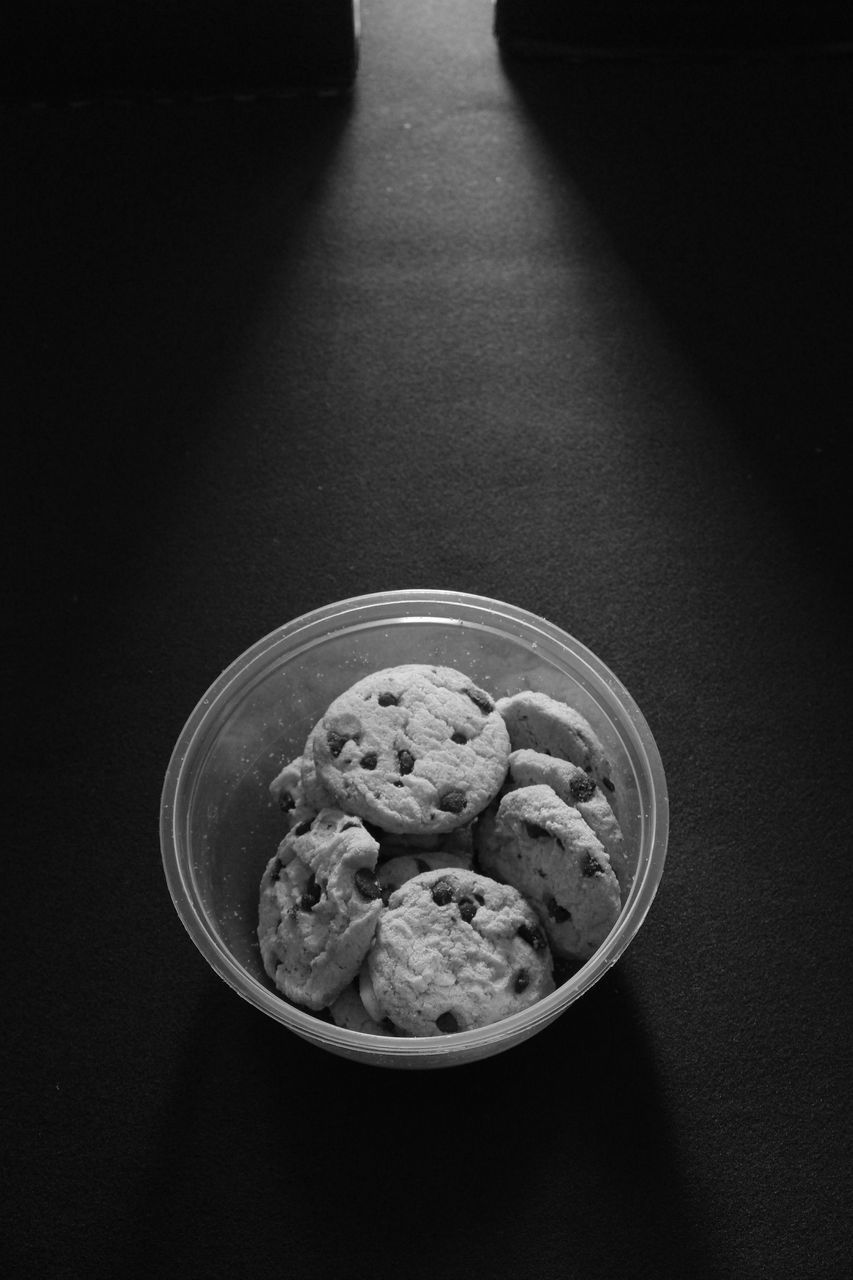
[(574, 336)]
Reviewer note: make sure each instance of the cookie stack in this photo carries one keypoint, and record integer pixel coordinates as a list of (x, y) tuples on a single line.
[(445, 852)]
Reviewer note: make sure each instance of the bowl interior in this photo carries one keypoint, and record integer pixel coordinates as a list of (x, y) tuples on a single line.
[(221, 825)]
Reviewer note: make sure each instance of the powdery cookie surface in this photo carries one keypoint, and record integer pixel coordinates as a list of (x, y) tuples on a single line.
[(319, 906), (455, 950), (545, 849), (414, 749), (541, 723), (579, 790)]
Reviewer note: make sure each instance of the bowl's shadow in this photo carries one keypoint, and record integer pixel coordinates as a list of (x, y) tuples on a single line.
[(561, 1148)]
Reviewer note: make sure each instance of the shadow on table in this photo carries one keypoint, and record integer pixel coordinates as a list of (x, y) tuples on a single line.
[(559, 1152), (722, 184)]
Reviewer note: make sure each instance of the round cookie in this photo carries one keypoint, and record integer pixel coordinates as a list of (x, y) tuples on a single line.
[(553, 728), (415, 749), (459, 841), (313, 790), (286, 787), (349, 1011), (394, 873), (455, 950), (579, 790), (319, 905), (288, 791), (546, 850)]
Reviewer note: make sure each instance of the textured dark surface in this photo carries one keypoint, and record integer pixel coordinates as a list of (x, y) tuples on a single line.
[(575, 338)]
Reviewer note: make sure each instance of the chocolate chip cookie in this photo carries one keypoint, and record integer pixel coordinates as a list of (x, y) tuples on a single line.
[(319, 906), (414, 749), (349, 1011), (394, 873), (456, 950), (289, 792), (541, 723), (546, 850), (580, 790), (315, 794)]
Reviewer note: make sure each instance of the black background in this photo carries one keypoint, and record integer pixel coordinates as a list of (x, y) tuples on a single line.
[(574, 336)]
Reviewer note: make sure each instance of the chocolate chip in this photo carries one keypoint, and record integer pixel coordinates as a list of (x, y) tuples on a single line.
[(458, 737), (533, 936), (336, 742), (522, 981), (452, 802), (536, 832), (302, 828), (387, 699), (442, 893), (366, 884), (467, 909), (447, 1023), (556, 912), (480, 899), (311, 896), (369, 761), (590, 866), (608, 784), (405, 761), (581, 789), (481, 700), (286, 802)]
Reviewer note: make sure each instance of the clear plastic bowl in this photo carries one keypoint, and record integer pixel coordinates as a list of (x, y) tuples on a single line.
[(219, 825)]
